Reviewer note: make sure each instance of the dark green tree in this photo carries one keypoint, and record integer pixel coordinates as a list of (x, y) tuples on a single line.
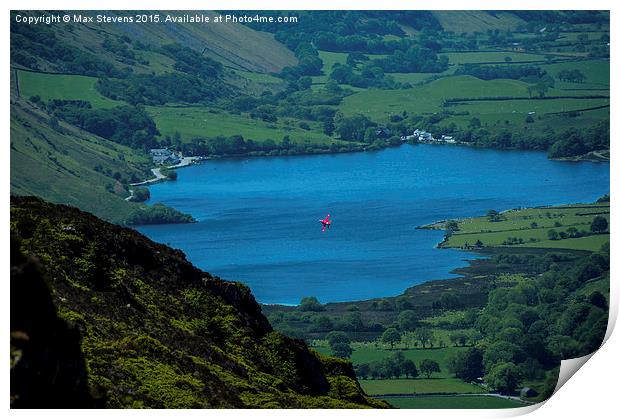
[(391, 336), (428, 367), (599, 224)]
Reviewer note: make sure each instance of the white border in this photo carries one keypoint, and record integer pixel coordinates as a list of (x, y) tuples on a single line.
[(591, 393)]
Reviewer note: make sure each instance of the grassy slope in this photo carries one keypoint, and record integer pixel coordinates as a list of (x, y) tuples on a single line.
[(203, 122), (235, 45), (460, 21), (60, 167), (518, 223), (67, 87)]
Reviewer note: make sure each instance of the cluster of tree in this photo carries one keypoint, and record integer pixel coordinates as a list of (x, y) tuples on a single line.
[(530, 327), (447, 301), (463, 320), (127, 125), (398, 332), (156, 90), (490, 72), (370, 75), (171, 174), (574, 76), (578, 142), (569, 143), (236, 145), (357, 43), (189, 61), (599, 225), (141, 194), (414, 59), (30, 43), (396, 366), (158, 214), (353, 128), (119, 46), (309, 63)]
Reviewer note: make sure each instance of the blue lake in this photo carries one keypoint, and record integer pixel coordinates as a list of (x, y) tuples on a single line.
[(258, 218)]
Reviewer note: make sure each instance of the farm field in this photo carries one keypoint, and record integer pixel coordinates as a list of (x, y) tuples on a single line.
[(452, 402), (419, 385), (532, 225), (259, 77), (379, 104), (590, 243), (596, 71), (491, 57), (203, 122), (60, 86)]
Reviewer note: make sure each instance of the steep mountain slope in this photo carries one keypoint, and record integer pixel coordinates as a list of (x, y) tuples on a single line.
[(158, 332), (63, 164), (235, 45), (460, 21)]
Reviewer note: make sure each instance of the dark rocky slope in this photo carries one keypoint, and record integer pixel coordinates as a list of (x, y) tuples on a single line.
[(131, 323)]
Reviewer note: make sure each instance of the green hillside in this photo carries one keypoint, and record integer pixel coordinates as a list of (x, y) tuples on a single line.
[(476, 20), (63, 164), (234, 44), (155, 331)]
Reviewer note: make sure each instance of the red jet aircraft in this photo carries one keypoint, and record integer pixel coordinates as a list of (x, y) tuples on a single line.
[(326, 222)]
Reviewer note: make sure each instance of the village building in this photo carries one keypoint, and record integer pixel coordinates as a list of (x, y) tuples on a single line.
[(164, 156)]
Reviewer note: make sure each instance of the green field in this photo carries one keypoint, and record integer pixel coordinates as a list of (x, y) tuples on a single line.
[(413, 78), (590, 243), (596, 72), (379, 104), (203, 122), (58, 86), (331, 58), (426, 99), (419, 385), (157, 63), (452, 402), (259, 77), (519, 224), (364, 355), (491, 57)]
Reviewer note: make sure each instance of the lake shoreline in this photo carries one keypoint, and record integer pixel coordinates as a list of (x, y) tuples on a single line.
[(265, 209)]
